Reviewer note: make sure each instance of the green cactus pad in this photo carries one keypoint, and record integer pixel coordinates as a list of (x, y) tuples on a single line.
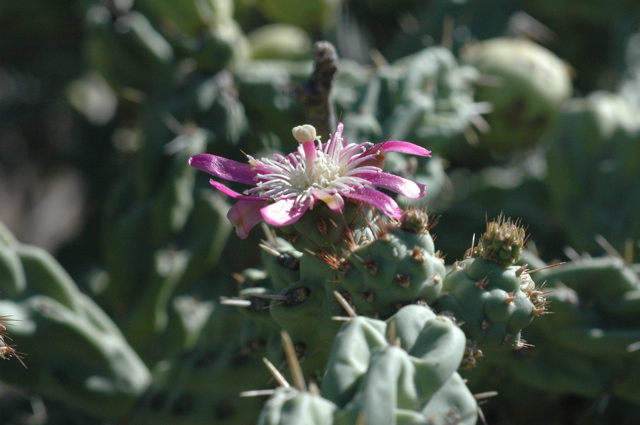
[(398, 268)]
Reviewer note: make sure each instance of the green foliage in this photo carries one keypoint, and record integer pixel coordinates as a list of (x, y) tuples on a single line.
[(77, 354), (136, 319)]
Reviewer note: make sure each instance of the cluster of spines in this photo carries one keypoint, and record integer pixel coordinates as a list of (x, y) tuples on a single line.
[(7, 350), (502, 242)]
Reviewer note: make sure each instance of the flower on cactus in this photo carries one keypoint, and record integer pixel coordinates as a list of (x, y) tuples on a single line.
[(285, 187)]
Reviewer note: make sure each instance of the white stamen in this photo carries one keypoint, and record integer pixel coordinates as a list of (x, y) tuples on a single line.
[(329, 167)]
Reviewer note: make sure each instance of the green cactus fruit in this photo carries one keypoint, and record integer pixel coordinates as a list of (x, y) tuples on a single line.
[(289, 406), (492, 299), (398, 268), (279, 41), (402, 370), (502, 242), (531, 84)]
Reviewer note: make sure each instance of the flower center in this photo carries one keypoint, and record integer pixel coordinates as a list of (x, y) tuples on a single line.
[(331, 168)]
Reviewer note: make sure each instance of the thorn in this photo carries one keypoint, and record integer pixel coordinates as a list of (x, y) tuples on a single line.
[(485, 395), (345, 304), (270, 249), (608, 248), (257, 393), (235, 302), (545, 267), (279, 377), (271, 297), (292, 360), (391, 332), (572, 254)]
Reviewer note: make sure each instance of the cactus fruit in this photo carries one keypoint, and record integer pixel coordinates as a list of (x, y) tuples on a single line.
[(279, 41), (532, 84), (492, 298)]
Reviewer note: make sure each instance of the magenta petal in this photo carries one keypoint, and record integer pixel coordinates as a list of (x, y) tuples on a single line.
[(232, 193), (378, 200), (399, 146), (244, 215), (397, 184), (282, 212), (224, 168)]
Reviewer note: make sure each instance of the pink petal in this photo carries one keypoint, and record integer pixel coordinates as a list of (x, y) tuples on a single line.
[(399, 146), (282, 212), (378, 200), (338, 133), (232, 193), (244, 215), (224, 168), (334, 202), (397, 184)]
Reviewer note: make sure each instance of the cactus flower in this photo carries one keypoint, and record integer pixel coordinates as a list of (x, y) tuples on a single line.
[(285, 187)]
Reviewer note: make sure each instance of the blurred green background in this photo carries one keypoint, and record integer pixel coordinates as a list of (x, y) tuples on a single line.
[(102, 101)]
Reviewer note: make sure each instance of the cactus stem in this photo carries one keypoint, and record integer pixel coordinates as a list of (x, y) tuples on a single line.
[(368, 296), (418, 255), (483, 283), (510, 298), (322, 226), (403, 280), (372, 267)]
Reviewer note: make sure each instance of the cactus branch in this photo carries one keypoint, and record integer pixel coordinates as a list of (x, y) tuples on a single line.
[(315, 93)]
